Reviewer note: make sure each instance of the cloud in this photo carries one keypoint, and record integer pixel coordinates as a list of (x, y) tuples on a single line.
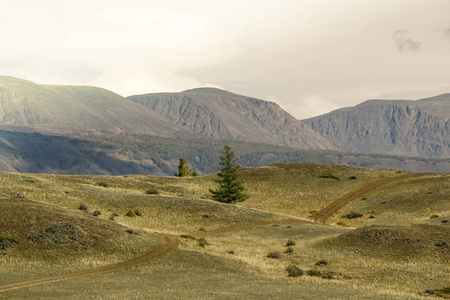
[(405, 42), (447, 32)]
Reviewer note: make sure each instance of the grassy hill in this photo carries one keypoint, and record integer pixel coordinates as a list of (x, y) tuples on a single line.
[(66, 109), (382, 257)]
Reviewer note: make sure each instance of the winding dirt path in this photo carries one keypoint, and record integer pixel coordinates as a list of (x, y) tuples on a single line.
[(328, 211), (166, 245)]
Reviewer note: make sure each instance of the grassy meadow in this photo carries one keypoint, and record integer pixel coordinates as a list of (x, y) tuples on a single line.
[(397, 249)]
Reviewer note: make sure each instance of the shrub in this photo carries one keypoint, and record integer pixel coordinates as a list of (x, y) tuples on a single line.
[(290, 243), (289, 250), (371, 217), (354, 215), (152, 191), (274, 254), (352, 178), (364, 198), (329, 176), (313, 272), (202, 229), (441, 244), (130, 213), (189, 237), (130, 231), (231, 252), (341, 224), (138, 212), (83, 207), (433, 216), (96, 213), (103, 184), (2, 238), (294, 271), (321, 263), (202, 242)]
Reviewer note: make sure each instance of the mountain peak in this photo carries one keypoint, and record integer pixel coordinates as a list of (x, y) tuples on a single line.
[(208, 90)]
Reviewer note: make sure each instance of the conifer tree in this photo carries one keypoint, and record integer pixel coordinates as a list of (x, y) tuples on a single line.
[(230, 190), (183, 169)]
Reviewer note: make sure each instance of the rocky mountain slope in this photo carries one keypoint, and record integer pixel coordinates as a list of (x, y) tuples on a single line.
[(223, 115), (26, 106), (411, 128)]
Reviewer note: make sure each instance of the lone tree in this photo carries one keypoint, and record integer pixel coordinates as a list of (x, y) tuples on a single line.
[(183, 169), (230, 189)]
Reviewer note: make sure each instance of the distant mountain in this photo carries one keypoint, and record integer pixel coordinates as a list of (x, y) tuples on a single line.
[(26, 106), (223, 115), (412, 128)]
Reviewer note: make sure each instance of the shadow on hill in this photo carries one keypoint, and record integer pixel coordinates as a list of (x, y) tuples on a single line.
[(37, 153)]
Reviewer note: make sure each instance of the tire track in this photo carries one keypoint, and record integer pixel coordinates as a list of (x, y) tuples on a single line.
[(166, 245), (328, 211)]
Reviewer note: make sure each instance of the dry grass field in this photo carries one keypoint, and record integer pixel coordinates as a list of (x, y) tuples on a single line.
[(398, 249)]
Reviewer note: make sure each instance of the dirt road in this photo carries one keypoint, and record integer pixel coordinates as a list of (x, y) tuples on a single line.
[(328, 211)]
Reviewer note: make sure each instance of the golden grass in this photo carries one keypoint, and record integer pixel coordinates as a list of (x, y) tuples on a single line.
[(182, 207)]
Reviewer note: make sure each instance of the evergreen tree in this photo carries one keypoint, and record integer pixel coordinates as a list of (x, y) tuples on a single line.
[(230, 189), (183, 169)]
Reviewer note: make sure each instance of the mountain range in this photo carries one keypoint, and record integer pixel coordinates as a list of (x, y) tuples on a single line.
[(406, 128)]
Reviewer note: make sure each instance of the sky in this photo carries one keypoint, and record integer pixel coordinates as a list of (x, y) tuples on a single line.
[(309, 56)]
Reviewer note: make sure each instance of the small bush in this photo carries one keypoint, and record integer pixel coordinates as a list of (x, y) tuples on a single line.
[(443, 291), (364, 198), (341, 224), (371, 217), (321, 263), (96, 213), (2, 238), (189, 237), (441, 244), (152, 191), (294, 271), (231, 252), (130, 213), (329, 176), (83, 207), (202, 229), (433, 216), (274, 254), (202, 242), (130, 231), (352, 178), (138, 212), (290, 243), (289, 250), (103, 184), (313, 273), (353, 215)]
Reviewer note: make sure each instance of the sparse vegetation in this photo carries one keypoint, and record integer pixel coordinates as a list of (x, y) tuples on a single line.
[(329, 176), (274, 254), (83, 207), (294, 271), (290, 243), (353, 215), (189, 237), (130, 213), (152, 191), (202, 242), (288, 250), (96, 213), (321, 262)]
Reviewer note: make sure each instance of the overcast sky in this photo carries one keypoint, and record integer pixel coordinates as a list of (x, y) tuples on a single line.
[(309, 56)]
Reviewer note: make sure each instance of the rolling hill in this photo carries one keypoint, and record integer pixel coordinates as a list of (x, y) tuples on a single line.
[(26, 106), (412, 128)]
